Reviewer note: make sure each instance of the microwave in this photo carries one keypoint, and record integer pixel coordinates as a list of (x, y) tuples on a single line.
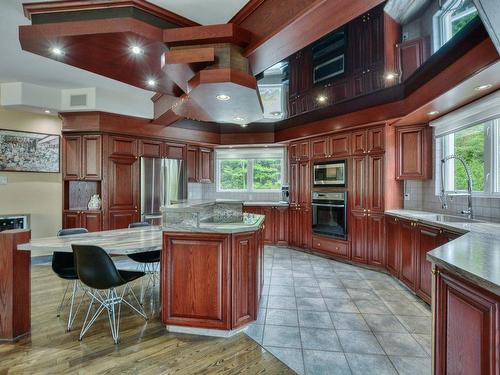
[(330, 173)]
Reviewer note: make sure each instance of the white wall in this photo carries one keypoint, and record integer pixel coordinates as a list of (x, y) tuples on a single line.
[(37, 194)]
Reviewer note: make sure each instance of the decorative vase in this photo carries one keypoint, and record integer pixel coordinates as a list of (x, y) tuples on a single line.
[(94, 202)]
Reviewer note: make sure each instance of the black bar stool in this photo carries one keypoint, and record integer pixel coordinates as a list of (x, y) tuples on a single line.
[(63, 265), (98, 272), (148, 263)]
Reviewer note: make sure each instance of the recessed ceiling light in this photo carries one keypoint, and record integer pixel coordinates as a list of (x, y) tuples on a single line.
[(321, 98), (244, 125), (390, 76), (47, 111), (56, 51), (239, 119), (275, 113), (223, 97), (151, 82), (432, 113), (136, 50), (483, 87)]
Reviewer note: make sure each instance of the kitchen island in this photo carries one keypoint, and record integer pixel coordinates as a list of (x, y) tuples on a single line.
[(211, 266)]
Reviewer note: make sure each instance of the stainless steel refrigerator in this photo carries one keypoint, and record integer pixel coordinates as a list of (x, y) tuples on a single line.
[(163, 182)]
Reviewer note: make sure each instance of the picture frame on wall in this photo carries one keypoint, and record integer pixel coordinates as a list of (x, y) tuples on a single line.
[(22, 151)]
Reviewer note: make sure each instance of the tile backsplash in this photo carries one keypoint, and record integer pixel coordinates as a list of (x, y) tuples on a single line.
[(422, 196), (208, 191)]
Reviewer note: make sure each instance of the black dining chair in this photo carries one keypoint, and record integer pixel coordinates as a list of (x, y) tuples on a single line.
[(96, 270), (63, 266), (148, 263)]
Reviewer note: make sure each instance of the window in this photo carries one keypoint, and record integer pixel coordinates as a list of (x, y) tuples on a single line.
[(453, 16), (250, 169), (479, 146)]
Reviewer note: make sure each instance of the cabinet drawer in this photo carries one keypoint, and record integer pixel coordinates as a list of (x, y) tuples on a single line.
[(331, 247)]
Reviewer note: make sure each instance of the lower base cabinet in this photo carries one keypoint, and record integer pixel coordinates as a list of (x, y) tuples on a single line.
[(90, 220), (407, 245), (467, 327), (328, 246), (276, 225), (121, 219)]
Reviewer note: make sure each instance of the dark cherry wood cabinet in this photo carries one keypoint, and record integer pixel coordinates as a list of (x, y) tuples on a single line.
[(305, 177), (200, 164), (408, 273), (91, 220), (192, 163), (300, 70), (414, 152), (150, 148), (328, 246), (359, 142), (293, 184), (123, 183), (376, 239), (334, 146), (206, 168), (359, 234), (269, 224), (281, 223), (299, 151), (120, 219), (244, 278), (174, 150), (295, 232), (126, 147), (82, 157), (466, 327), (392, 245), (410, 54)]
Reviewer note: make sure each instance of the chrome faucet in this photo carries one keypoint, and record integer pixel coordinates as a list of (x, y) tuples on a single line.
[(468, 212)]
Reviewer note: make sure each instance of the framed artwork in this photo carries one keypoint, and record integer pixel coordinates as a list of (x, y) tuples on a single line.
[(29, 152)]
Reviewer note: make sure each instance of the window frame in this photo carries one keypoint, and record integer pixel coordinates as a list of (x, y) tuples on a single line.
[(442, 24), (491, 160), (250, 172)]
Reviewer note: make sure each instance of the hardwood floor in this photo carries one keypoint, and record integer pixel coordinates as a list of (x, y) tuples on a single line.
[(145, 348)]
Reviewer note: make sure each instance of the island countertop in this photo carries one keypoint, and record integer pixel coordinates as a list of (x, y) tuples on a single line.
[(474, 256), (137, 240)]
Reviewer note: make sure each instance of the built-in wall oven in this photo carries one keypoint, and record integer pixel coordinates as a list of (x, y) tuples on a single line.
[(329, 173), (329, 214)]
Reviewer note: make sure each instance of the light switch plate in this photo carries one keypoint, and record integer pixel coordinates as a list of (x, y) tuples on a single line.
[(3, 180), (407, 196)]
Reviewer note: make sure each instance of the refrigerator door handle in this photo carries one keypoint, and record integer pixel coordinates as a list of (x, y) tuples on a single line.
[(162, 183)]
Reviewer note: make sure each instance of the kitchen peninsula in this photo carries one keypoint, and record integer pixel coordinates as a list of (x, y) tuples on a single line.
[(211, 265)]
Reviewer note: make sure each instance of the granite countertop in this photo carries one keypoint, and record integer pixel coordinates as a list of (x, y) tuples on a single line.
[(251, 222), (196, 204), (266, 203), (475, 255)]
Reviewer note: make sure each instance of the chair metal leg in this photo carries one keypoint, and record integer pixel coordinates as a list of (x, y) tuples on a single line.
[(111, 302), (150, 280)]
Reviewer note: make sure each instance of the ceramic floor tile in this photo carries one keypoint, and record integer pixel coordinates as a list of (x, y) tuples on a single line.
[(285, 337), (261, 316), (315, 319), (334, 292), (281, 290), (384, 323), (281, 281), (352, 322), (330, 283), (320, 339), (263, 301), (341, 305), (307, 291), (291, 357), (312, 304), (363, 364), (371, 307), (416, 324), (405, 308), (425, 341), (282, 317), (400, 344), (322, 363), (305, 281), (363, 342), (362, 294), (281, 302), (412, 365)]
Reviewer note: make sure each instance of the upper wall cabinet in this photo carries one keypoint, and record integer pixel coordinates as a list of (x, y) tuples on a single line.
[(414, 152), (200, 164), (82, 157), (299, 150)]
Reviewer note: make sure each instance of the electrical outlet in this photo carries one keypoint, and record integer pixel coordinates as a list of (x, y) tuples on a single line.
[(3, 180), (407, 196)]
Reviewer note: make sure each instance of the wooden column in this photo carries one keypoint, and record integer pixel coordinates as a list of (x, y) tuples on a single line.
[(15, 302)]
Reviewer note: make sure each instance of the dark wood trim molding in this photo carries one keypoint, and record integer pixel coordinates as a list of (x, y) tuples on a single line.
[(79, 5), (244, 12)]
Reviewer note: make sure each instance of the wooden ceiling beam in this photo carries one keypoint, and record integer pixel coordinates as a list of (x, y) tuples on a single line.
[(322, 17), (190, 55), (83, 5), (223, 33)]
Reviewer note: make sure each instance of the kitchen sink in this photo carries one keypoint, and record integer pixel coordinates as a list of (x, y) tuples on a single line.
[(455, 219)]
